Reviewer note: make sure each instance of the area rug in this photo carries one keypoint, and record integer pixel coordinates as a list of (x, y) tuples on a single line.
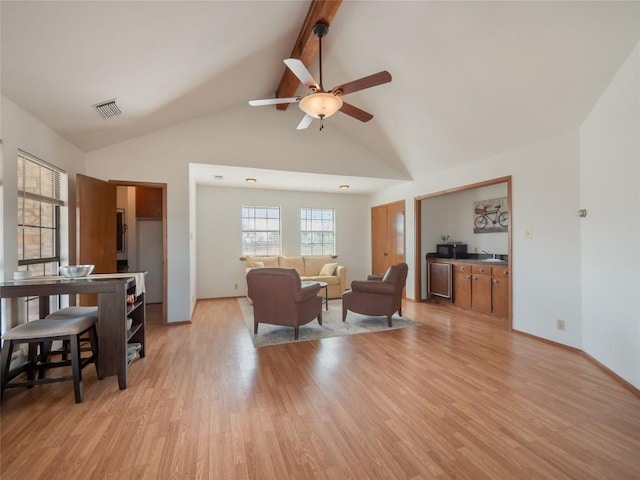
[(332, 325)]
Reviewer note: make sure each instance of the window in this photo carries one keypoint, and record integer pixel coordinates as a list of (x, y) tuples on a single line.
[(41, 195), (317, 231), (260, 231)]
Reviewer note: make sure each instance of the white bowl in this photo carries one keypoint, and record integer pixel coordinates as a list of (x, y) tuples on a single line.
[(76, 271), (22, 275)]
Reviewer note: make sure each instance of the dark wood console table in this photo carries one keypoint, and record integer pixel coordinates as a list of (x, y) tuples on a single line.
[(112, 313)]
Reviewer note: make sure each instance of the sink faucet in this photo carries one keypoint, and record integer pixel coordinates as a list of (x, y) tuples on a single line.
[(493, 255)]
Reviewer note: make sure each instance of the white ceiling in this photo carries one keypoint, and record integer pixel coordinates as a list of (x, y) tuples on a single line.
[(228, 176), (469, 78)]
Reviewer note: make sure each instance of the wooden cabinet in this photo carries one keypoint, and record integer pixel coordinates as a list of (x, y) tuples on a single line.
[(148, 202), (462, 285), (481, 288), (500, 291)]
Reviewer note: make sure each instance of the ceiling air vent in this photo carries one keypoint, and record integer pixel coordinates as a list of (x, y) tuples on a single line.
[(108, 109)]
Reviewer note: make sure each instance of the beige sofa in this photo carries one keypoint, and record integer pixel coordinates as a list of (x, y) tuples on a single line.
[(309, 268)]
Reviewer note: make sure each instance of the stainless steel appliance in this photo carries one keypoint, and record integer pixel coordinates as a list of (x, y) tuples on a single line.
[(452, 250)]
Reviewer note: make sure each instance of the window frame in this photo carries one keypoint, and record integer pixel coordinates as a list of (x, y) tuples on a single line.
[(31, 190), (260, 248), (306, 228)]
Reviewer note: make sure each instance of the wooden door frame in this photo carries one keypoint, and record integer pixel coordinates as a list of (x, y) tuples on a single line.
[(163, 187), (418, 235)]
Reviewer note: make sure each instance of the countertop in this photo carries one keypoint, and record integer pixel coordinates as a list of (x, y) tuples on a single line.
[(472, 261)]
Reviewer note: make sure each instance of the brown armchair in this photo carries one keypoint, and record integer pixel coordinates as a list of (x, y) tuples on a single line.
[(378, 295), (280, 299)]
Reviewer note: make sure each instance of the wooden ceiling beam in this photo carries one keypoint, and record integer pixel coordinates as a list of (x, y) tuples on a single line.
[(306, 45)]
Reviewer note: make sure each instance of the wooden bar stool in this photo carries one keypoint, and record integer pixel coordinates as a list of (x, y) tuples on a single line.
[(42, 333)]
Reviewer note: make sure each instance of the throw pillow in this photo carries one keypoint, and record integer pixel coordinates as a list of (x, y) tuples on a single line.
[(258, 265), (328, 269)]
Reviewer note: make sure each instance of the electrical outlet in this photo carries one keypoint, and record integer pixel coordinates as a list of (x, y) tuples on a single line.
[(235, 286), (528, 233), (560, 324)]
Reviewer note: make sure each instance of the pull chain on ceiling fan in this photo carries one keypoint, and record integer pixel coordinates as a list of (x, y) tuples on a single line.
[(320, 103)]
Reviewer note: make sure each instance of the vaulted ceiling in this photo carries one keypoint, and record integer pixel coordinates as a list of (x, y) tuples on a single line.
[(469, 78)]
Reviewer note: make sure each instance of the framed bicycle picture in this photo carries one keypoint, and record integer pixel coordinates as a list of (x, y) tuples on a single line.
[(490, 216)]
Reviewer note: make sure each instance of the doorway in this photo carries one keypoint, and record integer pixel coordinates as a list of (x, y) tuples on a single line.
[(143, 206), (424, 228), (106, 228)]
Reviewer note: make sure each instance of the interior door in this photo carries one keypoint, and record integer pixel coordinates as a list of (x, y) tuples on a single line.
[(395, 232), (95, 227), (378, 239), (387, 236)]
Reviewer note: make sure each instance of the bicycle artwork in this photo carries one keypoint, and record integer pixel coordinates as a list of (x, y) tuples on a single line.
[(490, 216)]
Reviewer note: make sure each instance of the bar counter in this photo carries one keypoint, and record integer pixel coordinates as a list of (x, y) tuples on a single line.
[(112, 311)]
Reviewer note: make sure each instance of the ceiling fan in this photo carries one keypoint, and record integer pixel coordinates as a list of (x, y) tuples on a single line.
[(321, 103)]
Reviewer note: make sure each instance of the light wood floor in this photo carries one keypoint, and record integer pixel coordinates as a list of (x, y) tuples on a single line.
[(451, 398)]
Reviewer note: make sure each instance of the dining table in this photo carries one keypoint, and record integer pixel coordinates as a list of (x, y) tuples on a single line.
[(113, 310)]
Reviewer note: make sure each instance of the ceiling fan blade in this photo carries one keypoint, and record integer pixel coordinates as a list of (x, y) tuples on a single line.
[(355, 112), (299, 70), (305, 122), (273, 101), (364, 82)]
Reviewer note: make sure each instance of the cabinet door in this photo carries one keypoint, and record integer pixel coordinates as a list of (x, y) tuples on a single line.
[(481, 269), (148, 202), (500, 292), (462, 289), (481, 293)]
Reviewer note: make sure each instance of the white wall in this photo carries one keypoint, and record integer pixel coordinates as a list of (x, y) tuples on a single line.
[(218, 251), (585, 272), (155, 158), (20, 130), (241, 136), (545, 198), (452, 215), (551, 280), (610, 191)]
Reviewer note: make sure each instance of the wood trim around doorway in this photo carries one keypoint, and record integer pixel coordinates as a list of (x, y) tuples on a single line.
[(163, 186), (418, 235)]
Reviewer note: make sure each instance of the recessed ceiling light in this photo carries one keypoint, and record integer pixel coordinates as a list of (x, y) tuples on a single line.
[(344, 187), (250, 180)]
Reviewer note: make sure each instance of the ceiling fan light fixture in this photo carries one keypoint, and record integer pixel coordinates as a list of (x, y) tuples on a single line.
[(321, 104)]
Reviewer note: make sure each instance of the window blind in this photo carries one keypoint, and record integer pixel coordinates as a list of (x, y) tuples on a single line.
[(317, 231), (261, 231)]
